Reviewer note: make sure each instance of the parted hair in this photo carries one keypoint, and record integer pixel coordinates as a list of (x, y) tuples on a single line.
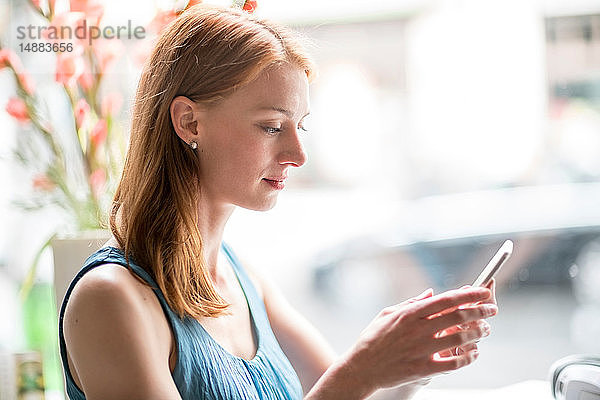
[(205, 54)]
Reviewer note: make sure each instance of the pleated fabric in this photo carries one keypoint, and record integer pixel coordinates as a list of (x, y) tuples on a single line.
[(204, 369)]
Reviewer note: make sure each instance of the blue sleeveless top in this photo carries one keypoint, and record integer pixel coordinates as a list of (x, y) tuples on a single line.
[(204, 369)]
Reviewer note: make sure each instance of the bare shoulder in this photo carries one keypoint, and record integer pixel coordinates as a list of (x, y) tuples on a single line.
[(116, 337), (107, 282), (107, 291), (107, 302), (109, 295)]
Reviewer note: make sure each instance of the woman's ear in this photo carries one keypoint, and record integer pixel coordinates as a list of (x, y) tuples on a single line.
[(184, 116)]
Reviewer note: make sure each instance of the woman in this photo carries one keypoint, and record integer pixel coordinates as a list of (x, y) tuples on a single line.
[(216, 124)]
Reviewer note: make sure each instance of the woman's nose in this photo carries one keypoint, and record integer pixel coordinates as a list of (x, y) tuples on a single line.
[(293, 152)]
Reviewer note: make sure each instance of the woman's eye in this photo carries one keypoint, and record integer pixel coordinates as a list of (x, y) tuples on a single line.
[(271, 131)]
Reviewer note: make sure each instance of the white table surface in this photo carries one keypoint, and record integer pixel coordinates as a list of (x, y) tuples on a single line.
[(527, 390)]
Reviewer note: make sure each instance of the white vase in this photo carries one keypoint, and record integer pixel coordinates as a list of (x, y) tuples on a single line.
[(70, 252)]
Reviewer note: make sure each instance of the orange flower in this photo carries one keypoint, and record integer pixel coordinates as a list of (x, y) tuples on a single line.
[(10, 58), (69, 67), (27, 82), (97, 180), (249, 6), (82, 108), (17, 108), (107, 52), (57, 30), (111, 103), (4, 54), (141, 52), (86, 79), (99, 132), (161, 19), (192, 3), (92, 9), (43, 183)]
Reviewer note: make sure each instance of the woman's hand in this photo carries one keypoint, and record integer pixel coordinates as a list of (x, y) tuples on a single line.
[(482, 323), (404, 342)]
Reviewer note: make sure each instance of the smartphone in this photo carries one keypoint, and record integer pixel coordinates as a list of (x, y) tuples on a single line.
[(495, 264)]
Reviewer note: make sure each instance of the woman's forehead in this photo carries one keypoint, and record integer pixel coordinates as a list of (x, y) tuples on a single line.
[(287, 112), (275, 89)]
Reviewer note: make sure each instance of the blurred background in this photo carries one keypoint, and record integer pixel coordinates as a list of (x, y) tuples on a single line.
[(438, 129)]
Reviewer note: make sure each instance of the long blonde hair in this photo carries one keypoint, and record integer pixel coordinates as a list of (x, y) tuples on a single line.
[(205, 54)]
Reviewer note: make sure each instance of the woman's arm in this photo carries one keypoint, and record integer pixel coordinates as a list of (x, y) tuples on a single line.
[(117, 339), (401, 345), (397, 348)]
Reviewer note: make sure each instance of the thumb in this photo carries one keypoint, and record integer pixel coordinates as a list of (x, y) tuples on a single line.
[(427, 293)]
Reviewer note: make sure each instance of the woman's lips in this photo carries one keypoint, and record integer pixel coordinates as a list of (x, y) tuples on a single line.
[(275, 184)]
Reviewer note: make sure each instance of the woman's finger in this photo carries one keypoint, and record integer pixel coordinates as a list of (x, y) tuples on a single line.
[(456, 328), (427, 293), (465, 349), (450, 299), (492, 286), (457, 351), (457, 339), (439, 365), (463, 317)]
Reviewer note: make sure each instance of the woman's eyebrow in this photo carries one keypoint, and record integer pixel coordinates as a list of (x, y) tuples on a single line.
[(284, 111)]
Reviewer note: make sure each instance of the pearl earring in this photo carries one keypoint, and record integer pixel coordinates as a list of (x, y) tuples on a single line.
[(193, 145)]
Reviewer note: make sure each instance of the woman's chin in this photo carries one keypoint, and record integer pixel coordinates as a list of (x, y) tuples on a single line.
[(268, 205), (263, 205)]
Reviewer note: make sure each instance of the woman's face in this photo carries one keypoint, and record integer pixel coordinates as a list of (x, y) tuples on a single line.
[(250, 140)]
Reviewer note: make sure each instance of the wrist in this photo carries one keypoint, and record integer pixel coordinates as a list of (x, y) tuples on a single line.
[(342, 380)]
